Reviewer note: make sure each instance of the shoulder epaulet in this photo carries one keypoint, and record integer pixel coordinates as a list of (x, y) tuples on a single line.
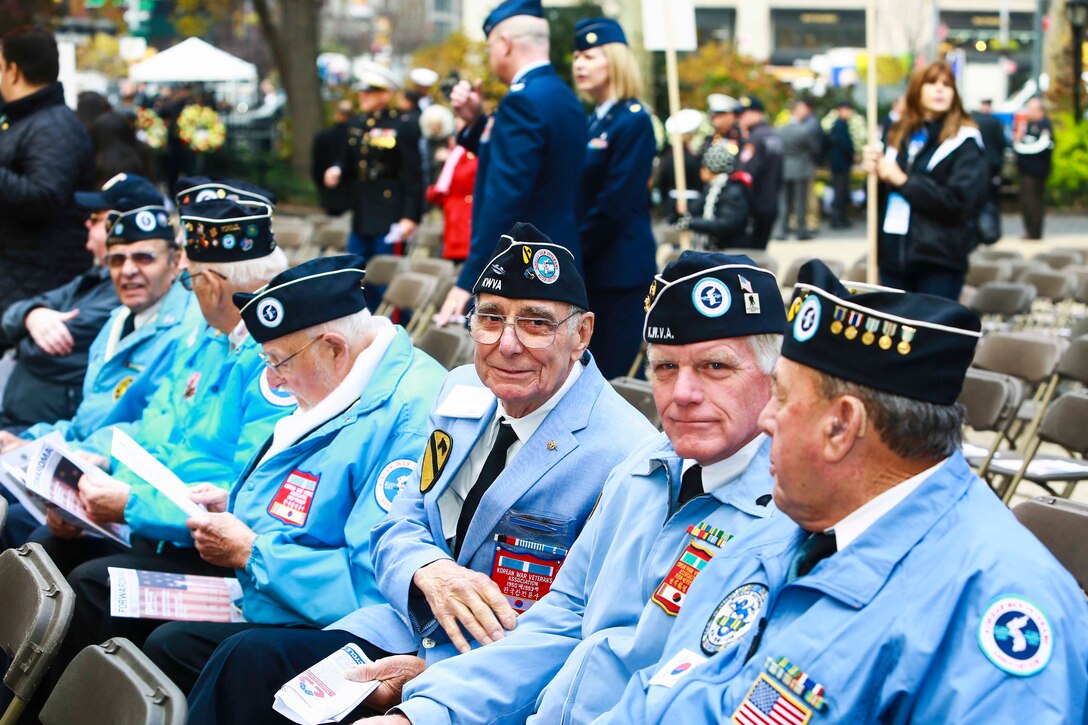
[(634, 106), (742, 176)]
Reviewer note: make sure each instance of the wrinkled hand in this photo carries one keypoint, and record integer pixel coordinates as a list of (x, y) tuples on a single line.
[(59, 527), (47, 327), (454, 306), (466, 101), (407, 228), (211, 497), (460, 595), (10, 441), (392, 672), (683, 223), (104, 498), (222, 539), (332, 177)]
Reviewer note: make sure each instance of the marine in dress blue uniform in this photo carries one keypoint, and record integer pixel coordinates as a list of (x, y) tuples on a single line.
[(648, 539), (530, 153), (524, 524), (930, 603), (618, 246), (326, 476)]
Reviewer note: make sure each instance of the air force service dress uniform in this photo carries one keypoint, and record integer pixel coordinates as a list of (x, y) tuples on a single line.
[(325, 477), (618, 246), (945, 609), (642, 548), (530, 155), (519, 535)]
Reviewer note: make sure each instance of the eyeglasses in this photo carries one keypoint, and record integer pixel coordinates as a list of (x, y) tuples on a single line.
[(116, 260), (186, 277), (532, 332), (277, 365), (97, 216)]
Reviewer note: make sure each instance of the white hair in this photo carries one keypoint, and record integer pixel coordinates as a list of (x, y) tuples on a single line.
[(249, 274), (525, 30), (765, 349), (358, 327)]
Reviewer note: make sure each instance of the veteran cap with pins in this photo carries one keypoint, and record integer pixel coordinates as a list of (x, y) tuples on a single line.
[(509, 9), (317, 291), (528, 265), (131, 187), (710, 296), (592, 32), (913, 345), (132, 221), (225, 230), (207, 188)]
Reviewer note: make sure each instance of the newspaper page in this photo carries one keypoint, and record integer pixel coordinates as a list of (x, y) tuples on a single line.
[(54, 475), (138, 594), (322, 694), (147, 467), (13, 465)]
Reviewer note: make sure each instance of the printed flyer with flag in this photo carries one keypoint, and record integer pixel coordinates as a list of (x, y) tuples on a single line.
[(322, 694), (54, 474), (177, 597)]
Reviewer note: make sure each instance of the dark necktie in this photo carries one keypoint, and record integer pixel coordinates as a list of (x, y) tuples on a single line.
[(816, 548), (691, 484), (493, 466), (128, 326)]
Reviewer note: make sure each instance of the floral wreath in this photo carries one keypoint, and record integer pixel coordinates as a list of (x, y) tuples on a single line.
[(201, 129), (150, 128)]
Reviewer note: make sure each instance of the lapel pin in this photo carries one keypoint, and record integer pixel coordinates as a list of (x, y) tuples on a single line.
[(552, 446)]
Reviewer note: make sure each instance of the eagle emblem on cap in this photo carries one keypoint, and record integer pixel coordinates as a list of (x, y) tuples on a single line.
[(650, 296)]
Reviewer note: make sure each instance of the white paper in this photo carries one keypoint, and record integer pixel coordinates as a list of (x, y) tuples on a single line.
[(465, 401), (660, 19), (676, 668), (897, 214), (137, 594), (322, 694), (13, 465), (147, 467), (53, 474)]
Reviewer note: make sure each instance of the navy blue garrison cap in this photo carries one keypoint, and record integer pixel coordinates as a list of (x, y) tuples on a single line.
[(207, 188), (317, 291), (527, 265), (132, 221), (591, 32), (224, 230), (913, 345), (711, 296), (509, 9), (136, 189)]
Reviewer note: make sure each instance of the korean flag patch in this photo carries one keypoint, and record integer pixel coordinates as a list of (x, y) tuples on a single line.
[(1016, 636)]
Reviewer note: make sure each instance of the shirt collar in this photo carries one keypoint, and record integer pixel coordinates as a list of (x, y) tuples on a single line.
[(526, 425), (718, 474), (604, 108), (147, 316), (855, 524), (525, 69), (237, 336)]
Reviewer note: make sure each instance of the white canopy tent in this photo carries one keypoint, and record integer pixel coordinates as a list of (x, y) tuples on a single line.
[(195, 61)]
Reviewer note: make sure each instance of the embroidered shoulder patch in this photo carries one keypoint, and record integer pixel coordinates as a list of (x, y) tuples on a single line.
[(392, 480), (1016, 636)]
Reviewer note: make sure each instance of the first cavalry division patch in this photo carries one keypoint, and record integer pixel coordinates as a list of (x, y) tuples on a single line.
[(439, 447)]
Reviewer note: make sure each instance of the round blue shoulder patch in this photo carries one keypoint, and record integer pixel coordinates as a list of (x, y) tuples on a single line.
[(1016, 636), (392, 480), (733, 617), (808, 319)]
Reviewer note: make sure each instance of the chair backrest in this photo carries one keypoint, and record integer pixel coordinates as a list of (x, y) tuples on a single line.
[(114, 682), (640, 394), (294, 237), (1020, 267), (1074, 361), (789, 278), (3, 512), (989, 253), (760, 257), (1079, 327), (445, 344), (410, 290), (1003, 298), (1062, 526), (1080, 294), (982, 271), (37, 604), (1029, 358), (433, 266), (1057, 259), (381, 269), (859, 270), (991, 399), (1050, 285), (427, 242), (1064, 422), (332, 237)]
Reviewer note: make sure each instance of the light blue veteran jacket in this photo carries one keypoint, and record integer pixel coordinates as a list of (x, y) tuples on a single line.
[(556, 477), (310, 563), (945, 610), (572, 653)]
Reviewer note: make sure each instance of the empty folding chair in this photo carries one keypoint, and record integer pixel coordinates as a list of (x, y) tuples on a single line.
[(1057, 259), (433, 266), (114, 682), (789, 278), (991, 253), (1049, 285), (998, 303), (1020, 267), (409, 292), (381, 269), (640, 394), (37, 604), (991, 401), (332, 238), (859, 270), (427, 242), (759, 256), (445, 344), (1062, 526), (1080, 253), (1063, 424)]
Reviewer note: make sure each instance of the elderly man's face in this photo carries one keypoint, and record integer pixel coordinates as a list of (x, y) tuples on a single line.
[(142, 272), (299, 364), (796, 419), (709, 395), (524, 378)]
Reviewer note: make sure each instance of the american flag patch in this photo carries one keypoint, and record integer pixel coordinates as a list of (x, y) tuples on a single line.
[(768, 704)]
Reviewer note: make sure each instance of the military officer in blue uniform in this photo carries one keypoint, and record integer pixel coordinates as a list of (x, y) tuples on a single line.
[(517, 447), (296, 525), (530, 150), (381, 162), (618, 246), (897, 588), (681, 499)]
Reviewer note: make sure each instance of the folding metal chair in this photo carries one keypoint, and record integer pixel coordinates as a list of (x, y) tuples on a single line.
[(35, 611), (433, 266), (640, 394), (1062, 526), (759, 256), (445, 344), (1000, 303), (991, 401), (114, 682), (1056, 259), (410, 292), (980, 272), (381, 269), (789, 278), (332, 238), (991, 253)]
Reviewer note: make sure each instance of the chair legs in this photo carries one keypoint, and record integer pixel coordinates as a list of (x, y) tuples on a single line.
[(13, 713)]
